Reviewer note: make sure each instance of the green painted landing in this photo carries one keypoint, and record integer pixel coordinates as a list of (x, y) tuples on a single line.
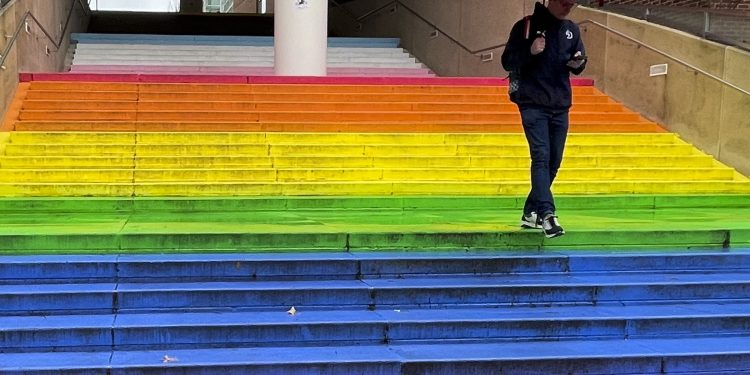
[(33, 226)]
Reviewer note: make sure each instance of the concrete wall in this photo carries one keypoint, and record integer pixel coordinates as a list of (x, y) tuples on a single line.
[(701, 110), (29, 54), (475, 23), (704, 112), (717, 4)]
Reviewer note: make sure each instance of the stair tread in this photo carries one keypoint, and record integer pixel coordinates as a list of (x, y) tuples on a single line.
[(657, 349), (379, 316)]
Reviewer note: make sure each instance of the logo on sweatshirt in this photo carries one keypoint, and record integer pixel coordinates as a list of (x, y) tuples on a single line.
[(569, 34)]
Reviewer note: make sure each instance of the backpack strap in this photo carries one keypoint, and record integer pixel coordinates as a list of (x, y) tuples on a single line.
[(527, 27)]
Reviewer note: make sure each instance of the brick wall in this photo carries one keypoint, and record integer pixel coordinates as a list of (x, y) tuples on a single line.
[(716, 4)]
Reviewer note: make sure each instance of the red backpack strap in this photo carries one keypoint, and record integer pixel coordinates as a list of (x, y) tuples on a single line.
[(527, 27)]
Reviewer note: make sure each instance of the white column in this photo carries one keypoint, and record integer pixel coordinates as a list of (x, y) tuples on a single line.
[(301, 37)]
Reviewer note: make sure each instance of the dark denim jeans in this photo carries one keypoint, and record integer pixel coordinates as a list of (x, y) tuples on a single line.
[(546, 131)]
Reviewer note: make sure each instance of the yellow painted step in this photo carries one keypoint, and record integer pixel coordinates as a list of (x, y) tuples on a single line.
[(374, 188), (14, 149), (67, 162), (318, 138), (66, 175), (72, 137), (601, 161), (4, 139), (234, 161), (250, 149), (204, 175)]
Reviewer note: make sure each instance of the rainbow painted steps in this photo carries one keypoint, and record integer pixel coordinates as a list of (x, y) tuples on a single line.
[(162, 225), (247, 164), (425, 106)]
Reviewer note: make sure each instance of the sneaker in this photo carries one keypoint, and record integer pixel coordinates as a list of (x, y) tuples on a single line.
[(552, 227), (531, 221)]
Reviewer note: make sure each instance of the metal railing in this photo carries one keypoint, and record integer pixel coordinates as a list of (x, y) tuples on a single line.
[(360, 20), (660, 52), (396, 3), (23, 24)]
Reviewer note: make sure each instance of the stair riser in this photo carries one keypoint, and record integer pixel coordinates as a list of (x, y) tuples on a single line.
[(365, 333), (656, 365), (363, 298), (266, 269)]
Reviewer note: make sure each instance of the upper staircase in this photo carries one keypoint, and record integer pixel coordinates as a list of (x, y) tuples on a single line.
[(230, 55)]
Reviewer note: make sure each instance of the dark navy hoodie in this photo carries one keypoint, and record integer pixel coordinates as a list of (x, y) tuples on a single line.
[(542, 81)]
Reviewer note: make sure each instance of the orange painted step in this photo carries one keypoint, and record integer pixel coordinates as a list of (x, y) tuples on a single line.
[(364, 127), (82, 95), (83, 105), (277, 88), (363, 97), (115, 96), (84, 86)]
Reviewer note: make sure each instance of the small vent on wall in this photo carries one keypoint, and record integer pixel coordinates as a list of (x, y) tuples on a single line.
[(658, 70)]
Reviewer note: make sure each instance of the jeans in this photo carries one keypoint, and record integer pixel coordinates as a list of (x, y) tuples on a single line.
[(546, 131)]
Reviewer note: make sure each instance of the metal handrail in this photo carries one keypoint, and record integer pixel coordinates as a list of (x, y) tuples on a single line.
[(673, 58), (22, 23), (595, 23), (398, 3)]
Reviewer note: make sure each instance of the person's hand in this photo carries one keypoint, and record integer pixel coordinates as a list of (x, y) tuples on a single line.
[(576, 61), (575, 64), (538, 46)]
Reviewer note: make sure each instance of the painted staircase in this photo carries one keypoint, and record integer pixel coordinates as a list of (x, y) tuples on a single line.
[(384, 209), (231, 55)]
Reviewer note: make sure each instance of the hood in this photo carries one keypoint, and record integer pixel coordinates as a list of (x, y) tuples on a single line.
[(542, 14)]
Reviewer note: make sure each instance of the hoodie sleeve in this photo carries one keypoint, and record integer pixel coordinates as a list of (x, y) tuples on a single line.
[(517, 51), (579, 47)]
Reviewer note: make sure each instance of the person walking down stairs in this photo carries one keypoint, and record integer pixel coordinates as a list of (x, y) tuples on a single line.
[(542, 50)]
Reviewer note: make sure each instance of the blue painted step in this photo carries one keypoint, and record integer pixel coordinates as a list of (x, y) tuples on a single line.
[(458, 314), (362, 327), (432, 292), (635, 356), (299, 267)]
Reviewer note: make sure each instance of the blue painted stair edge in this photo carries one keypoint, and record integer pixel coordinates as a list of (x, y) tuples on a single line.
[(39, 269), (634, 356)]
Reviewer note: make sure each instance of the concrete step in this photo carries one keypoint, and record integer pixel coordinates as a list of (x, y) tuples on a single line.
[(467, 223), (214, 40), (317, 150), (125, 49), (170, 331), (648, 356), (377, 188), (435, 139), (125, 175), (308, 116), (304, 266), (265, 106), (611, 289), (246, 71), (643, 356)]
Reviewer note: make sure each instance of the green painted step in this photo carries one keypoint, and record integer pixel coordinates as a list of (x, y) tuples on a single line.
[(276, 203), (487, 228)]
